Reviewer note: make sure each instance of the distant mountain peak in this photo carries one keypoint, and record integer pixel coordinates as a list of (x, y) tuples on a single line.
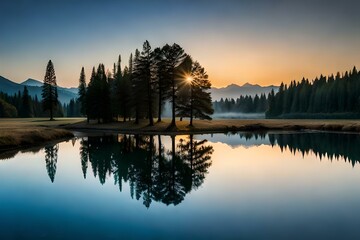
[(34, 87), (233, 85), (234, 91), (32, 82), (247, 85), (250, 85)]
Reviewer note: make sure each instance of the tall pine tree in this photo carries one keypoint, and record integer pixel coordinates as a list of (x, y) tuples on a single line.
[(49, 90), (82, 93)]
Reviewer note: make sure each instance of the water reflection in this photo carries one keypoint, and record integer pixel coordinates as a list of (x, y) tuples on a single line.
[(153, 172), (51, 156), (322, 144)]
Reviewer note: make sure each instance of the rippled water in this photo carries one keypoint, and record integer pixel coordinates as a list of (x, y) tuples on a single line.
[(266, 186)]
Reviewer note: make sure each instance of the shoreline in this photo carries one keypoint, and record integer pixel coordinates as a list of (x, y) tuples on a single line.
[(221, 126), (17, 134), (18, 139)]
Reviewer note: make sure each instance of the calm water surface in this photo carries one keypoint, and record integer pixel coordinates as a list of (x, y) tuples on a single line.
[(240, 186)]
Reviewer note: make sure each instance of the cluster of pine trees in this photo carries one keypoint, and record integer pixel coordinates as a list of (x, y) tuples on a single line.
[(23, 105), (139, 90), (72, 109), (244, 104), (334, 95)]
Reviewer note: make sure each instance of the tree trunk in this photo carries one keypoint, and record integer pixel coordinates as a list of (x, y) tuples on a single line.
[(51, 112), (191, 107), (137, 113), (151, 120), (173, 123), (159, 111)]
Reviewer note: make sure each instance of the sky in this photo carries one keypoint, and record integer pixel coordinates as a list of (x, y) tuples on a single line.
[(261, 42)]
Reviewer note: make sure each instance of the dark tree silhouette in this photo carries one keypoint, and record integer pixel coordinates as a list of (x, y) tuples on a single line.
[(139, 90), (152, 172), (174, 56), (26, 107), (142, 70), (82, 93), (198, 103), (84, 156), (324, 97), (244, 104), (98, 95), (49, 90), (123, 90), (159, 70), (198, 157), (51, 155)]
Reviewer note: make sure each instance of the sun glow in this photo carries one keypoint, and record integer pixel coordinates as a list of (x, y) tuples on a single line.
[(189, 79)]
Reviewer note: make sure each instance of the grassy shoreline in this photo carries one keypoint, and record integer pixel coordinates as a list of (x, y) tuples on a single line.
[(20, 133), (219, 126), (29, 132)]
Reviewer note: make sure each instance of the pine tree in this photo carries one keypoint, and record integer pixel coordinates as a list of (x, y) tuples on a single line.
[(92, 94), (104, 94), (159, 71), (174, 56), (82, 93), (49, 90), (143, 71), (200, 99), (26, 106), (194, 99)]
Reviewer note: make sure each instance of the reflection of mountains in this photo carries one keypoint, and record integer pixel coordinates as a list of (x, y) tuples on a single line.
[(322, 144), (238, 139), (153, 172)]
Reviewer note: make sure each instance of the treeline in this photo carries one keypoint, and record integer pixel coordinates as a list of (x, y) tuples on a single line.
[(334, 95), (244, 104), (139, 90), (23, 105), (72, 109)]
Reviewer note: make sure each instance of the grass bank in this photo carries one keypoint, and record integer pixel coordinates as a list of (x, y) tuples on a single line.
[(221, 125), (19, 133)]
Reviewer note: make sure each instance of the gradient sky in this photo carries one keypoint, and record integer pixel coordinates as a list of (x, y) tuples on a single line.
[(264, 42)]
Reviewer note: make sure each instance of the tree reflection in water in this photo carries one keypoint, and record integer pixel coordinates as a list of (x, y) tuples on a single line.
[(153, 172), (51, 155), (322, 144)]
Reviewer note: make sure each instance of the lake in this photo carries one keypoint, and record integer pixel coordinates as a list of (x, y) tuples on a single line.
[(295, 185)]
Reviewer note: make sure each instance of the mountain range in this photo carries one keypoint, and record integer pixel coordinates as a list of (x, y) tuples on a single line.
[(234, 91), (66, 94), (34, 86)]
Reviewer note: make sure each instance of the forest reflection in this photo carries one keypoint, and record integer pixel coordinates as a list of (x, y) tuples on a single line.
[(323, 144), (166, 168), (153, 172)]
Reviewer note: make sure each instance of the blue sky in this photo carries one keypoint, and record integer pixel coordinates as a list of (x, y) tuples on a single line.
[(263, 42)]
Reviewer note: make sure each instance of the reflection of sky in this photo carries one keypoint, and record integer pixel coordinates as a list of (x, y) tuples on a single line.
[(259, 41), (235, 140), (249, 192)]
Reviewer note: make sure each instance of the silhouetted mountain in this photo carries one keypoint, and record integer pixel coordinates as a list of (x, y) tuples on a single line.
[(32, 82), (234, 91), (34, 88)]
